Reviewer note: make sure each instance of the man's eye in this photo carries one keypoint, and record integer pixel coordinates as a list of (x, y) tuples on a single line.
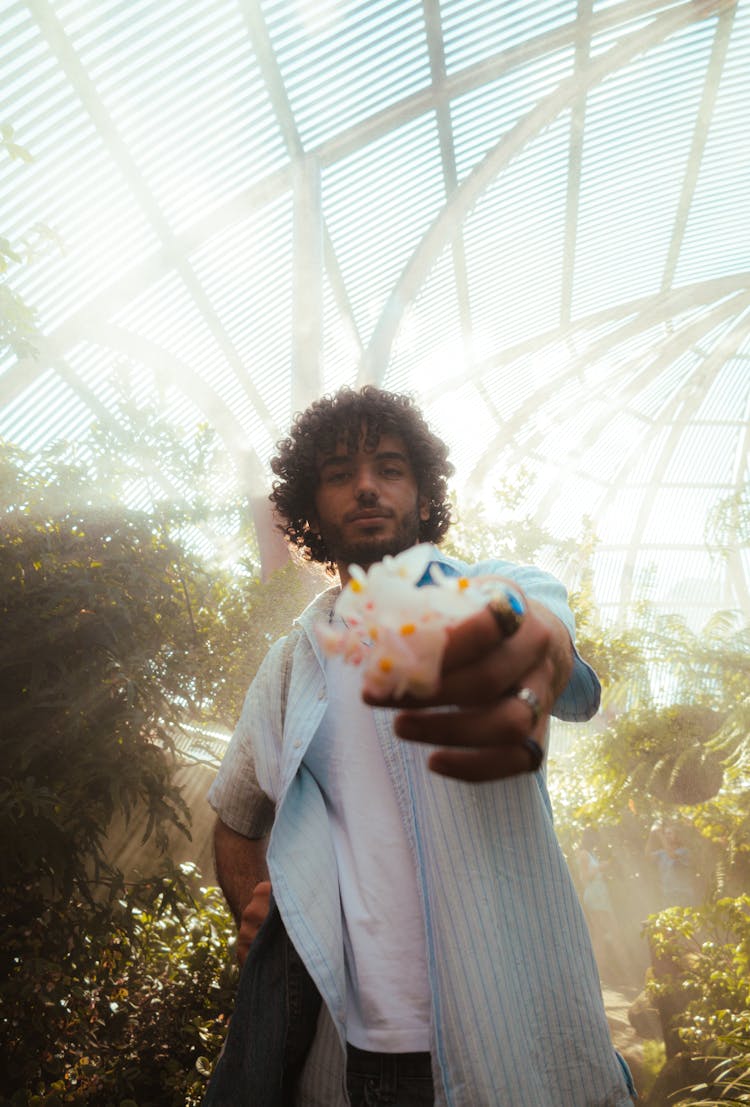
[(392, 471), (337, 476)]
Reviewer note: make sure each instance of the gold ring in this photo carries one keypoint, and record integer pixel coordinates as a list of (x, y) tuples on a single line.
[(506, 608)]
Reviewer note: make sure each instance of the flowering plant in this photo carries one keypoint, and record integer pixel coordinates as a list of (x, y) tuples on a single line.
[(395, 626)]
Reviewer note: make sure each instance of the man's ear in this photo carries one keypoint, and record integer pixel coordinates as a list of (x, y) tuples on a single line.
[(424, 508), (312, 523)]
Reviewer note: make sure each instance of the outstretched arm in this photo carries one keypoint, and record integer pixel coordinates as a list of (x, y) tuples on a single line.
[(484, 737)]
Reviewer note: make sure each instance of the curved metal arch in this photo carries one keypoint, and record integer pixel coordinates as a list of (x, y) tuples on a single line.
[(252, 476), (169, 369), (677, 345), (632, 315), (279, 182), (637, 316), (59, 43), (688, 405), (711, 363), (377, 354)]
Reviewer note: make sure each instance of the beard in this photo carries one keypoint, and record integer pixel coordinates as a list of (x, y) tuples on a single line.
[(367, 549)]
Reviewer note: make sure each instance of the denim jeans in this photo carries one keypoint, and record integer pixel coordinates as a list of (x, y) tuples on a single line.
[(398, 1079), (272, 1026), (272, 1029)]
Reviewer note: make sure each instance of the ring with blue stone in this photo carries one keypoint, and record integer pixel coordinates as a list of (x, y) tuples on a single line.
[(507, 609)]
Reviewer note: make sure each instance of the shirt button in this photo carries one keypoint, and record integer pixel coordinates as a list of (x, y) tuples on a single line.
[(297, 744)]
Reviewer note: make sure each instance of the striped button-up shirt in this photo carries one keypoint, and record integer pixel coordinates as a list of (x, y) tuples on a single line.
[(517, 1012)]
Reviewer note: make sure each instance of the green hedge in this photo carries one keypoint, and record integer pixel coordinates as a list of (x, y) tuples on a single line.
[(123, 1002)]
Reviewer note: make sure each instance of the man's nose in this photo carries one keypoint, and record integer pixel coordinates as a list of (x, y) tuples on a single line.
[(365, 483)]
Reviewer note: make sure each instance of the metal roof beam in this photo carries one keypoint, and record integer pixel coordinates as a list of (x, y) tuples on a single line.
[(491, 68), (84, 87), (307, 286), (681, 341), (378, 352), (679, 344), (263, 192), (274, 82), (575, 161), (630, 318), (700, 136), (683, 404), (434, 29)]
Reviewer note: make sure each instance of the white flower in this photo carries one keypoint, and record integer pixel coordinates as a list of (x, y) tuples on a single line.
[(394, 629)]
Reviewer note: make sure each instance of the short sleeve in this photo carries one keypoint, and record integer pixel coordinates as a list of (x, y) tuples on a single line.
[(580, 698), (235, 794)]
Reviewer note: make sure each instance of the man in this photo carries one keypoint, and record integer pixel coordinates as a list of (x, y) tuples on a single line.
[(422, 940)]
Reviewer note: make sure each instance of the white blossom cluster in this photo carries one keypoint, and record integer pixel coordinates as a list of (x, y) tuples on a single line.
[(396, 630)]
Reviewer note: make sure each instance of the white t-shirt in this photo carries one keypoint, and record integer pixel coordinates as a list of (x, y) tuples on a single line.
[(388, 999)]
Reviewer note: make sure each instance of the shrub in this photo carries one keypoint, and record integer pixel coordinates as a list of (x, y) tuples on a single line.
[(120, 1001), (703, 955)]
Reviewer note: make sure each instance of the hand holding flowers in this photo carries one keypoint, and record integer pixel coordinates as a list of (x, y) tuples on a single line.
[(396, 627)]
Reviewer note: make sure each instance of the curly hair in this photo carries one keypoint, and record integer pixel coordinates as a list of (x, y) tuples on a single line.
[(324, 424)]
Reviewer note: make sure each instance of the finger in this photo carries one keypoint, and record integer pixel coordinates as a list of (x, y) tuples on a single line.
[(477, 766), (495, 673), (259, 899), (472, 638), (478, 666), (509, 720), (485, 744), (488, 696)]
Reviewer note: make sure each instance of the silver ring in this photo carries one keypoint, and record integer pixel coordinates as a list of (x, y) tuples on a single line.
[(506, 608), (525, 695)]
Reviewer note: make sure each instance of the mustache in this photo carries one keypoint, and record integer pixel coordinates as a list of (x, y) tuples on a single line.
[(368, 513)]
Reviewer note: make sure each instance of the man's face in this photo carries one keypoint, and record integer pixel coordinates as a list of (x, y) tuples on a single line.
[(367, 503)]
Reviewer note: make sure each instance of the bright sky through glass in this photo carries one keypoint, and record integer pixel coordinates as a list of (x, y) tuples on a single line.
[(538, 224)]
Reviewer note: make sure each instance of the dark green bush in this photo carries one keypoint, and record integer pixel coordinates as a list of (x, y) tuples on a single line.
[(702, 978), (117, 1001)]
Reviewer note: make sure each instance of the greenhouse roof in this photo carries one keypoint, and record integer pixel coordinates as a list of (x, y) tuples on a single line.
[(535, 218)]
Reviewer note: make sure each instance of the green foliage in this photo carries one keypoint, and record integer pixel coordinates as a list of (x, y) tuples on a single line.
[(19, 321), (654, 1056), (121, 626), (683, 693), (121, 1000), (704, 955), (616, 655), (729, 522), (102, 634), (506, 530), (664, 753), (117, 630)]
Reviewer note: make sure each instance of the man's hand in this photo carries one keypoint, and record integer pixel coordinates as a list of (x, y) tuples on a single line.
[(252, 918), (484, 737)]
